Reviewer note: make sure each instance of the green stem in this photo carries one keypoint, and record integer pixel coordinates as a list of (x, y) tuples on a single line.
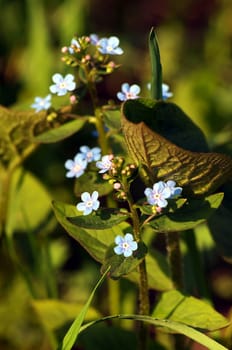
[(49, 273), (174, 257)]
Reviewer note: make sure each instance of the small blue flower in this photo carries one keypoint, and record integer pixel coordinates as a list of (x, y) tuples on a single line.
[(158, 194), (41, 103), (105, 164), (128, 92), (165, 92), (76, 167), (89, 202), (175, 191), (109, 46), (75, 46), (62, 85), (90, 155), (125, 245), (94, 39)]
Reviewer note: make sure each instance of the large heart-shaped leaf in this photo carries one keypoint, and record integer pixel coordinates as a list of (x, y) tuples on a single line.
[(199, 173)]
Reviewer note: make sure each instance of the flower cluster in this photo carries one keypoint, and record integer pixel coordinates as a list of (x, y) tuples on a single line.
[(161, 191), (77, 166)]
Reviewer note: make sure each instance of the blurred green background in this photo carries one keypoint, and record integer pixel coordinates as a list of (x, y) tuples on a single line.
[(195, 39)]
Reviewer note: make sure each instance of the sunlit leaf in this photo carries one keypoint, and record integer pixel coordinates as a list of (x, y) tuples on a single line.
[(188, 310), (29, 207), (112, 118), (190, 215), (198, 173), (56, 313), (157, 272), (95, 241), (119, 265), (102, 219), (61, 132)]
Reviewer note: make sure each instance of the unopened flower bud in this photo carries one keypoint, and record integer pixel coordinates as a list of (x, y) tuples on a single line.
[(64, 49), (73, 99), (117, 185)]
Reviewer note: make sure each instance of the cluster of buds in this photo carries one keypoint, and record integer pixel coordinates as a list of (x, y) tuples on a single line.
[(92, 55), (120, 175)]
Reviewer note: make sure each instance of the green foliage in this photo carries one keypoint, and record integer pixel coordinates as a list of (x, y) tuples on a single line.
[(164, 143), (54, 314), (73, 331), (175, 306), (199, 173), (191, 214), (64, 131), (29, 208)]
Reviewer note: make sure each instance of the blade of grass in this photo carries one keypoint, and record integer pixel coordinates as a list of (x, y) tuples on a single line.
[(178, 327), (73, 331)]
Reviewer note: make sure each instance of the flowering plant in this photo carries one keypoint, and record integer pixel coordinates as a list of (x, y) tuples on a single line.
[(137, 180)]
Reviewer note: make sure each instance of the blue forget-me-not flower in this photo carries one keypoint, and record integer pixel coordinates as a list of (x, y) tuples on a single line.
[(74, 46), (62, 84), (128, 92), (125, 245), (41, 103), (89, 202), (158, 194), (105, 164), (90, 154), (166, 93), (175, 191), (76, 167), (109, 46)]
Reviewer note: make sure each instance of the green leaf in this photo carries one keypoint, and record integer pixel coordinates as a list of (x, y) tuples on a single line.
[(92, 181), (161, 159), (102, 219), (189, 310), (168, 120), (173, 205), (156, 68), (189, 215), (112, 118), (17, 132), (73, 331), (157, 272), (167, 324), (96, 242), (118, 265), (29, 205), (56, 313), (61, 132)]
